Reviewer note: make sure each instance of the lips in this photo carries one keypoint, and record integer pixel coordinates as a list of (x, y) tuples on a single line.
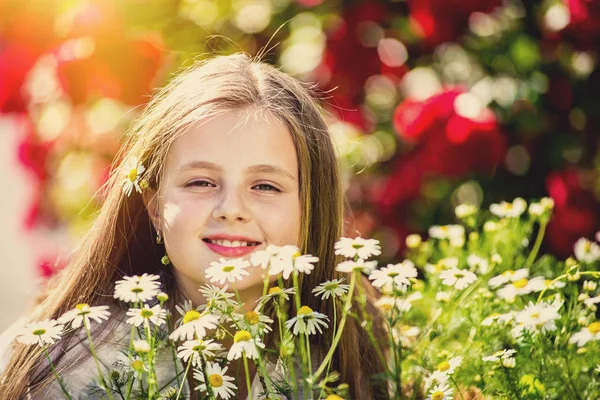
[(230, 245)]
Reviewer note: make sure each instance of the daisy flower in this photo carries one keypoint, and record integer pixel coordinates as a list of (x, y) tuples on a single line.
[(448, 367), (451, 232), (509, 362), (502, 354), (244, 344), (254, 321), (508, 209), (359, 265), (227, 270), (303, 263), (273, 256), (540, 316), (397, 274), (508, 276), (132, 170), (478, 263), (413, 241), (83, 313), (218, 298), (591, 301), (141, 346), (333, 288), (591, 332), (548, 284), (44, 332), (504, 318), (459, 278), (198, 349), (388, 303), (277, 292), (194, 324), (221, 384), (465, 210), (307, 321), (357, 247), (155, 314), (441, 392), (586, 251), (521, 287), (134, 289)]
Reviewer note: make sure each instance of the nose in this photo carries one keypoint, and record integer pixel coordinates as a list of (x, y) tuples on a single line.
[(231, 207)]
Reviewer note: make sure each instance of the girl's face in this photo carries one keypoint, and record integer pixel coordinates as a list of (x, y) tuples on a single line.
[(230, 187)]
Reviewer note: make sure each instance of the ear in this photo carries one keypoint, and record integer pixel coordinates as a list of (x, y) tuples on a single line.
[(150, 199)]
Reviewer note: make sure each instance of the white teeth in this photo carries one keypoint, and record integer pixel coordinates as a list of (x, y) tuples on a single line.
[(227, 243)]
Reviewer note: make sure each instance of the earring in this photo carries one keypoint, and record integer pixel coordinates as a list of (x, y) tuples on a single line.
[(165, 260), (159, 238)]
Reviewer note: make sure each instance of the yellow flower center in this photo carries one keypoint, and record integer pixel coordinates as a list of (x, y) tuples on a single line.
[(520, 283), (190, 316), (41, 331), (228, 268), (199, 347), (334, 397), (305, 310), (215, 380), (242, 336), (587, 246), (137, 289), (296, 254), (275, 290), (357, 246), (138, 365), (509, 206), (444, 228), (251, 317), (145, 313), (393, 274), (83, 308), (535, 315), (547, 282), (594, 328), (510, 272), (444, 366), (494, 315), (132, 175), (437, 395)]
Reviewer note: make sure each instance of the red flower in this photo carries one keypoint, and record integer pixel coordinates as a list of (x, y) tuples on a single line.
[(584, 27), (575, 211), (453, 135), (441, 21)]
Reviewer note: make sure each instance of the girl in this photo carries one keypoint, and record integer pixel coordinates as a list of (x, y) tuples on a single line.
[(236, 156)]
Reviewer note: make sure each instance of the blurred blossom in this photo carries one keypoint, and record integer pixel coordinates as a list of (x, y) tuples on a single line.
[(583, 28), (205, 13), (504, 90), (53, 119), (253, 15), (42, 84), (557, 17), (104, 116), (420, 83), (483, 24), (517, 160), (380, 92), (392, 52), (583, 64), (304, 52), (469, 193)]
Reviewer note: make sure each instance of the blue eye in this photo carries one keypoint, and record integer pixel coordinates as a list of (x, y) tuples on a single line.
[(266, 187)]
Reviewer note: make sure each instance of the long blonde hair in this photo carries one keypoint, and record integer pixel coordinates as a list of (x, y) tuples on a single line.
[(121, 240)]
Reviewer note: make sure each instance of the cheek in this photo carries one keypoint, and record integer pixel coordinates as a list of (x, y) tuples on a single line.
[(282, 224)]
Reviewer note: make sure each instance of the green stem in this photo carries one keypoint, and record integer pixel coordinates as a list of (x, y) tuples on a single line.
[(93, 350), (537, 244), (187, 369), (60, 382), (457, 388), (247, 371), (338, 335)]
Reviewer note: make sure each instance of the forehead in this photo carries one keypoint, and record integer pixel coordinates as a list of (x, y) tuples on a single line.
[(237, 139)]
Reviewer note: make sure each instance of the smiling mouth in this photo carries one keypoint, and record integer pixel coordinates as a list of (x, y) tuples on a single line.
[(231, 243)]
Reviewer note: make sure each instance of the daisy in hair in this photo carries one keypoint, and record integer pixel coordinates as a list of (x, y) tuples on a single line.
[(357, 247), (83, 313), (134, 289), (132, 170), (227, 270), (221, 384)]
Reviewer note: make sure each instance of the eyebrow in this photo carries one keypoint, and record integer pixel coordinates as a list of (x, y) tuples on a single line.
[(264, 168)]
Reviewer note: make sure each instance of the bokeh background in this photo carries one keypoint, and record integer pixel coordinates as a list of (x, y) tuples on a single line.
[(432, 102)]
